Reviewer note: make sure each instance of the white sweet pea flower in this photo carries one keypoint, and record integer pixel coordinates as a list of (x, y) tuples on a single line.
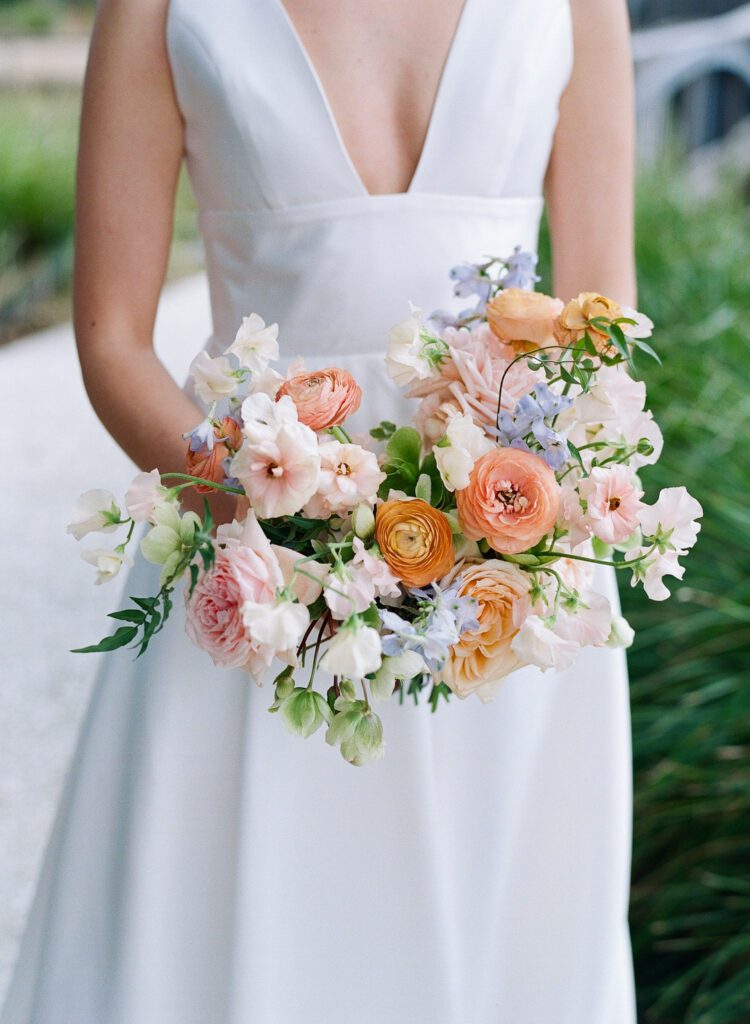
[(455, 455), (614, 396), (213, 379), (255, 344), (263, 417), (587, 621), (267, 382), (622, 633), (145, 494), (536, 644), (108, 563), (384, 582), (673, 518), (354, 651), (348, 589), (642, 328), (397, 666), (652, 570), (410, 357), (280, 624), (95, 511)]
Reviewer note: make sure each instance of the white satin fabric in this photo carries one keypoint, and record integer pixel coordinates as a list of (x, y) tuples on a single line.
[(206, 867)]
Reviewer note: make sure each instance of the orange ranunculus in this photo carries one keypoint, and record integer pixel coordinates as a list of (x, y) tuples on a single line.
[(208, 465), (512, 500), (523, 319), (324, 398), (415, 539), (484, 656), (230, 432), (574, 320)]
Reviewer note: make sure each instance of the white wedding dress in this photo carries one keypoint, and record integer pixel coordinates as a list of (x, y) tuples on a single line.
[(207, 867)]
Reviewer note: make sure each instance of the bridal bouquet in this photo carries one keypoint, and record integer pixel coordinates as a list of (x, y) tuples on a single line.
[(435, 557)]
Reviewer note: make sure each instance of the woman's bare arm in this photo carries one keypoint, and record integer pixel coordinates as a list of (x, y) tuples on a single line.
[(590, 178), (129, 159)]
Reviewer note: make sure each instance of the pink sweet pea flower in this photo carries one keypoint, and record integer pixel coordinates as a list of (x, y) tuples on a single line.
[(614, 501), (349, 475)]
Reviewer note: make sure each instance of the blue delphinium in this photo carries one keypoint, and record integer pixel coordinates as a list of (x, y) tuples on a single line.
[(201, 437), (529, 417), (469, 279), (520, 270), (442, 616)]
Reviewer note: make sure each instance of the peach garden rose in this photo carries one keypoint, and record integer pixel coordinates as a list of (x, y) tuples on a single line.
[(483, 657), (575, 319), (523, 319), (512, 500), (246, 569), (324, 398)]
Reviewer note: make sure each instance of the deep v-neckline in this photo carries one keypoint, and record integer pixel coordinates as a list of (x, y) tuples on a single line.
[(438, 101)]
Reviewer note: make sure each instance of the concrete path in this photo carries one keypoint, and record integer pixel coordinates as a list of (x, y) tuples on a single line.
[(53, 60), (53, 448)]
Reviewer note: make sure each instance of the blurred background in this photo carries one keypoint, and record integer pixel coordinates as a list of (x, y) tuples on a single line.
[(690, 909)]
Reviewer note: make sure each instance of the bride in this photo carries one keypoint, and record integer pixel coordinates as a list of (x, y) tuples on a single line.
[(204, 866)]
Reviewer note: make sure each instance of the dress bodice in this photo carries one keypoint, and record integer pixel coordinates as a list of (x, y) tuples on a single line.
[(290, 231)]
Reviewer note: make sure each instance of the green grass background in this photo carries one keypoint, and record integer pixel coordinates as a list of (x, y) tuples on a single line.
[(690, 913)]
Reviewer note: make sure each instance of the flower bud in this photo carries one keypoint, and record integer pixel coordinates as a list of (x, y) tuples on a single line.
[(363, 521), (304, 711)]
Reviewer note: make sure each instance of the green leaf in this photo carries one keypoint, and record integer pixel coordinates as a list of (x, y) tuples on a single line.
[(128, 615), (575, 453), (423, 489), (120, 638), (404, 448), (383, 431), (645, 347)]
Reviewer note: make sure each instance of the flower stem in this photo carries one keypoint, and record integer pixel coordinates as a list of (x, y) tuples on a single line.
[(316, 653), (202, 480)]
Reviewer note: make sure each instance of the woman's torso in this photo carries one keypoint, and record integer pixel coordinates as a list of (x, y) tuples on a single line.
[(290, 230)]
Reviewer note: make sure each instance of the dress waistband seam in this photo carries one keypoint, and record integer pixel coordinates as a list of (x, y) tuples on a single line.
[(396, 203)]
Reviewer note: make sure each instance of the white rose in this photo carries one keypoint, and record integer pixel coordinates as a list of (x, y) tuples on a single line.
[(255, 344), (93, 512)]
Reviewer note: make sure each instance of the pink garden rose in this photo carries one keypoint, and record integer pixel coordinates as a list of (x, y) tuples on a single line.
[(324, 398), (245, 569), (512, 500)]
